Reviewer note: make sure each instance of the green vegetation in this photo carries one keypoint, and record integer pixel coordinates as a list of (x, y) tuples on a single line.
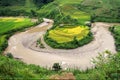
[(64, 12), (10, 25), (3, 43), (68, 37), (106, 69), (70, 12), (66, 34), (15, 69), (21, 7), (116, 33), (39, 44), (56, 67), (11, 3), (40, 3), (7, 25), (102, 10), (82, 10)]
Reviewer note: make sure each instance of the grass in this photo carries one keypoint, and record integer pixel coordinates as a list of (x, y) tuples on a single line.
[(106, 69), (2, 39), (102, 10), (67, 7), (14, 69), (27, 6), (67, 34), (62, 2), (10, 23)]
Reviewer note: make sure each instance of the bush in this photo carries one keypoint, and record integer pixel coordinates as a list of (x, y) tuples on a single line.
[(116, 33), (9, 12), (56, 67), (9, 55)]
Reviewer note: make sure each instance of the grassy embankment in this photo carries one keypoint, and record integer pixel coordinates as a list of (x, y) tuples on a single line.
[(116, 33)]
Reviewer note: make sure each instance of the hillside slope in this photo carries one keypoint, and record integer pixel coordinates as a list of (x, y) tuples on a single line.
[(65, 11), (102, 10)]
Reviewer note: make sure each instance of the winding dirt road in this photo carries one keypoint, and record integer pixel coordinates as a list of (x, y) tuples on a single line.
[(19, 46)]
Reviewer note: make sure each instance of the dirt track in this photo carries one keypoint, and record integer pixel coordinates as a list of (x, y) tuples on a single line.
[(76, 58)]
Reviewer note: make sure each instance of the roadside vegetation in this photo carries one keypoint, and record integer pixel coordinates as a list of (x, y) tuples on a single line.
[(116, 33), (106, 69), (39, 44)]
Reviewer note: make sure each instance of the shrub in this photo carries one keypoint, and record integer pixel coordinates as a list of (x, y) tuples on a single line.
[(116, 33), (9, 55), (56, 67)]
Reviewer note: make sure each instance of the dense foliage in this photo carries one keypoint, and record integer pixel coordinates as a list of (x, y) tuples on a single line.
[(23, 2), (21, 7), (15, 69), (116, 33), (12, 2), (10, 12), (106, 69), (40, 3)]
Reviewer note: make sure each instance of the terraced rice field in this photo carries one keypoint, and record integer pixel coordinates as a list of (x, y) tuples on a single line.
[(67, 34), (10, 23)]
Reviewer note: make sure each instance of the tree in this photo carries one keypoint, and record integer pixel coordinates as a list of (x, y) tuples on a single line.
[(5, 3), (39, 3)]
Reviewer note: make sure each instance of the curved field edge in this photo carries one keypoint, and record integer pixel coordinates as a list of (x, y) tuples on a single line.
[(8, 27)]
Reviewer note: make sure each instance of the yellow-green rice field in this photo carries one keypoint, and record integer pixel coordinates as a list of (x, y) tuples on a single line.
[(67, 34)]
